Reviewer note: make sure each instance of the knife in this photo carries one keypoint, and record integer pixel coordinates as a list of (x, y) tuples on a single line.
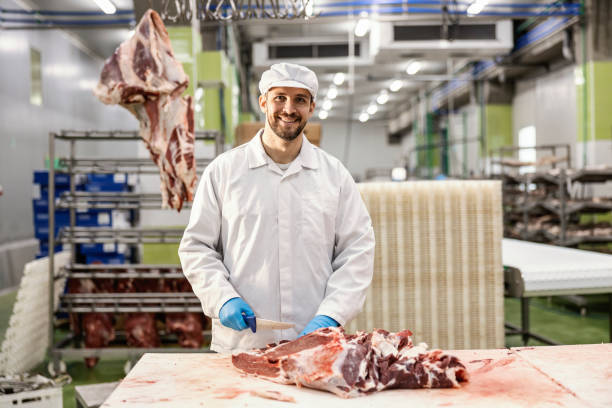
[(254, 323)]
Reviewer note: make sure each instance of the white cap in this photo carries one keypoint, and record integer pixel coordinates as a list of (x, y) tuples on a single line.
[(292, 75)]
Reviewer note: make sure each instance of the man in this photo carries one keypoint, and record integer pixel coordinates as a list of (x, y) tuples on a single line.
[(278, 228)]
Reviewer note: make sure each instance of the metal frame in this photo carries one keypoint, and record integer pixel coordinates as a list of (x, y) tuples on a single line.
[(112, 302)]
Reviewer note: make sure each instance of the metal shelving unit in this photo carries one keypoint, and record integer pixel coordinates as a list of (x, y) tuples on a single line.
[(145, 302)]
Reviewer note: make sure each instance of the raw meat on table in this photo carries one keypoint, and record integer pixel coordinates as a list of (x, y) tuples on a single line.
[(144, 77), (353, 365)]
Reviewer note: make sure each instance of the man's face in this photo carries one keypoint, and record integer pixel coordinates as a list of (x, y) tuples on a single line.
[(287, 110)]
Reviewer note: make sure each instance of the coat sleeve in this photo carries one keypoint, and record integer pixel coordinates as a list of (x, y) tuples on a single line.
[(200, 251), (353, 259)]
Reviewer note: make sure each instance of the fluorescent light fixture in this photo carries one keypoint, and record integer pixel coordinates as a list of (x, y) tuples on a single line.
[(476, 7), (199, 92), (327, 105), (396, 85), (323, 115), (414, 67), (363, 24), (372, 109), (332, 93), (107, 6), (309, 9), (364, 117), (339, 78), (383, 97)]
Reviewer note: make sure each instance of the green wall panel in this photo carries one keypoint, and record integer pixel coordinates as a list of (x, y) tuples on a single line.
[(598, 101), (498, 126)]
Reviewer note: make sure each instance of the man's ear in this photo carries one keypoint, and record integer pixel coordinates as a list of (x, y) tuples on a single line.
[(262, 103)]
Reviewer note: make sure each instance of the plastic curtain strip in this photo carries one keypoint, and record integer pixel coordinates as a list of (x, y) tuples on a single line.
[(438, 263)]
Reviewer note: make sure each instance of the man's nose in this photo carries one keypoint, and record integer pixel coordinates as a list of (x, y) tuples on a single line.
[(289, 107)]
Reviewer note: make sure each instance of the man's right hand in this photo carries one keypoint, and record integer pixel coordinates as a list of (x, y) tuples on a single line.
[(231, 312)]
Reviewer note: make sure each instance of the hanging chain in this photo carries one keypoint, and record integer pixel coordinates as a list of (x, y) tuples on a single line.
[(180, 11)]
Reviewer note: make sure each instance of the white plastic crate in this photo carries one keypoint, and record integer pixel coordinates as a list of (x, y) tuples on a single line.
[(43, 398), (26, 340)]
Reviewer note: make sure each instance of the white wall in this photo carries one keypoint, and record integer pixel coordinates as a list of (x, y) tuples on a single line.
[(368, 147), (68, 103), (549, 104)]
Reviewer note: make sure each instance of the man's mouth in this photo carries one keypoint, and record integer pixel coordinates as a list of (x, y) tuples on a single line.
[(287, 120)]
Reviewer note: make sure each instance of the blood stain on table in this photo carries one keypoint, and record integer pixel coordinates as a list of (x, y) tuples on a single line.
[(228, 393), (487, 366)]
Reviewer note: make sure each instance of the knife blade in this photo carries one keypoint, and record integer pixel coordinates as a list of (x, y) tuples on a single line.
[(256, 323)]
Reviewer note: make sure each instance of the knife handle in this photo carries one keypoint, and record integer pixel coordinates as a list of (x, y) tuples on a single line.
[(250, 321)]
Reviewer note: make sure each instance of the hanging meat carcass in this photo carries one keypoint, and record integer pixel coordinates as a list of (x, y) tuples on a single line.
[(187, 326), (144, 77), (97, 328)]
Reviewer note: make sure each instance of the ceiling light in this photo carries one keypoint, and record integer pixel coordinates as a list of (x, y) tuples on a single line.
[(323, 115), (339, 78), (198, 94), (396, 85), (414, 67), (383, 97), (327, 105), (476, 7), (107, 6), (364, 117), (309, 9), (332, 93), (363, 24), (372, 109)]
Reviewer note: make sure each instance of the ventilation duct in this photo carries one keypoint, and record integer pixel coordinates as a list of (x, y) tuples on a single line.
[(313, 53), (402, 39), (438, 262)]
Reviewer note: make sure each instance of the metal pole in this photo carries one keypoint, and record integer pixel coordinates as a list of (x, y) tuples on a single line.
[(72, 209), (610, 314), (525, 319), (51, 204)]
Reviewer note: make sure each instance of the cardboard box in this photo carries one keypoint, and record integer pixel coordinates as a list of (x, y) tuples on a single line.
[(245, 132)]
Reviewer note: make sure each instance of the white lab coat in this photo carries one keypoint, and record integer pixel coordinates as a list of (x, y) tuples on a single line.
[(292, 244)]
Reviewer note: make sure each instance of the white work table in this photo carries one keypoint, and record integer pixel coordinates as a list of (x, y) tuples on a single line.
[(559, 376)]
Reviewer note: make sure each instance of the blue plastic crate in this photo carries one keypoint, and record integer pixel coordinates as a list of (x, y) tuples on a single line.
[(105, 259), (118, 178), (44, 247), (98, 249), (42, 177), (40, 205), (41, 231), (61, 217), (94, 218), (106, 187)]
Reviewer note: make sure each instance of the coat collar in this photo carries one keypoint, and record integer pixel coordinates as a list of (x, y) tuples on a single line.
[(257, 156)]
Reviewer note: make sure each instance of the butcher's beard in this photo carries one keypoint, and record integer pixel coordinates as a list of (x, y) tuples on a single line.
[(283, 131)]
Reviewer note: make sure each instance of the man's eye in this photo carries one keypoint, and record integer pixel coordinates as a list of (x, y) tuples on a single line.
[(301, 100), (280, 98)]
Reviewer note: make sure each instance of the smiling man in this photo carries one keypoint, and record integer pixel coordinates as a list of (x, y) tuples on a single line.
[(278, 229)]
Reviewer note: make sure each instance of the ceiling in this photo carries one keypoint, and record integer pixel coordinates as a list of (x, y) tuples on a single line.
[(369, 76)]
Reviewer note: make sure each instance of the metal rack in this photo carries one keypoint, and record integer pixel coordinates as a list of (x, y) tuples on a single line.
[(150, 302)]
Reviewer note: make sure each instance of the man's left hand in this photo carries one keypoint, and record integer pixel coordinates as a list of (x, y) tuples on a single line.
[(318, 322)]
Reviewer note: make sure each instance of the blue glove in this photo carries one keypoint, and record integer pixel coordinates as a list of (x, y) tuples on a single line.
[(318, 322), (231, 312)]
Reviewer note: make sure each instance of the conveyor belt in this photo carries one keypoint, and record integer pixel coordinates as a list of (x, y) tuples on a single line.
[(532, 269), (548, 270)]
